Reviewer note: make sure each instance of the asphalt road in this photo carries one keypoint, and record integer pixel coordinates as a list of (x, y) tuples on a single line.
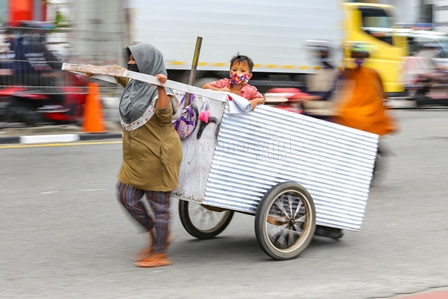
[(64, 235)]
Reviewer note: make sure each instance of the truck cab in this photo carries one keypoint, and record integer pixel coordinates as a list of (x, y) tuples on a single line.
[(373, 24)]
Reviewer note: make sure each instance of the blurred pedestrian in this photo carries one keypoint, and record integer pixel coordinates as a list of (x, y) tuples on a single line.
[(361, 101), (152, 153), (240, 73), (321, 86), (360, 106)]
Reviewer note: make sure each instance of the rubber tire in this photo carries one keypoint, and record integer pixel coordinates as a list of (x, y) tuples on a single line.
[(261, 221), (22, 110), (199, 233)]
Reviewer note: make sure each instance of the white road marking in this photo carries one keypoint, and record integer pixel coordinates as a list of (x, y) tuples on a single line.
[(49, 192), (59, 144), (49, 138)]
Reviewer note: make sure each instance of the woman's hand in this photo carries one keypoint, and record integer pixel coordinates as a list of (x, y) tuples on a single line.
[(163, 99), (162, 78)]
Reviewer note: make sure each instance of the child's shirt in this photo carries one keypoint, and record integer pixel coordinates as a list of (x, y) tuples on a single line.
[(248, 91)]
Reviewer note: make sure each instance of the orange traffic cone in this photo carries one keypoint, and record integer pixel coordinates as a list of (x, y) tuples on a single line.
[(93, 114)]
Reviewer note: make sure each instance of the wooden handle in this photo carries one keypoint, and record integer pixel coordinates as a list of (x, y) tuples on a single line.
[(194, 66)]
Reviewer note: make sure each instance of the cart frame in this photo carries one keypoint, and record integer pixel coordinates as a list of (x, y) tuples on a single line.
[(291, 171)]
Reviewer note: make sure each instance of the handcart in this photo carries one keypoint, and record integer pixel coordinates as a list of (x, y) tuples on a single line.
[(292, 172)]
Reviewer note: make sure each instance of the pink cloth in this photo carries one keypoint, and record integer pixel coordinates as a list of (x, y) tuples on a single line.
[(248, 91)]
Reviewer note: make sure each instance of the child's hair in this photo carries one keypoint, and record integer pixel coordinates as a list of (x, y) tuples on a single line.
[(242, 58)]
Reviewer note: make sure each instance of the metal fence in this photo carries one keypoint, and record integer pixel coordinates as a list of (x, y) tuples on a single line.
[(33, 88)]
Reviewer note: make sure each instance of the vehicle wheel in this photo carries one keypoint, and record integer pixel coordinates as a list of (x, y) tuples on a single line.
[(411, 93), (421, 101), (414, 93), (202, 222), (20, 110), (285, 221)]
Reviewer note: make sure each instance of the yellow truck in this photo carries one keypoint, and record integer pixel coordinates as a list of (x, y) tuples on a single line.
[(373, 24)]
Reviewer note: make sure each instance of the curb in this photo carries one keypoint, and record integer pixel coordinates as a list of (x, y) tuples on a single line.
[(50, 138)]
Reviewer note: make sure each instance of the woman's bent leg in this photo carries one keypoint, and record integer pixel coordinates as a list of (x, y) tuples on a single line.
[(131, 199), (160, 205)]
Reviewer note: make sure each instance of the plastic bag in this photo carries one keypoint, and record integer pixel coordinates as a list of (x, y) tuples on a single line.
[(187, 120)]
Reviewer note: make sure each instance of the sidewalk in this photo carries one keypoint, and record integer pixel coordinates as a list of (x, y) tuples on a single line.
[(56, 133)]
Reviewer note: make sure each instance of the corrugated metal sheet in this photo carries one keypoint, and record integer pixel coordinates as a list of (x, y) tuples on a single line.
[(257, 150)]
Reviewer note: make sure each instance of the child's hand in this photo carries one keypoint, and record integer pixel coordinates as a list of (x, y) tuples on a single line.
[(256, 101), (162, 78), (253, 104)]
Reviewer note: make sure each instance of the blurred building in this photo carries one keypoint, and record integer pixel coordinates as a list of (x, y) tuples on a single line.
[(99, 29), (3, 11), (14, 11), (440, 12)]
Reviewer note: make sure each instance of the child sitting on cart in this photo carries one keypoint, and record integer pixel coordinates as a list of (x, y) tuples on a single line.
[(240, 73)]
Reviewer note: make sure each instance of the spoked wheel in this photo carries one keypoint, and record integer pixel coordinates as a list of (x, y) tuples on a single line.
[(285, 221), (202, 222)]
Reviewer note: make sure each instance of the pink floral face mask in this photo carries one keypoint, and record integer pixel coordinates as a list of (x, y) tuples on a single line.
[(239, 79)]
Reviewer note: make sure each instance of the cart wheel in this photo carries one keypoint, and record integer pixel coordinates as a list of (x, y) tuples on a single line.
[(285, 221), (201, 222)]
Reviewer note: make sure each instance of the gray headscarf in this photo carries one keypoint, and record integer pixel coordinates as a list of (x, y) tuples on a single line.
[(138, 95)]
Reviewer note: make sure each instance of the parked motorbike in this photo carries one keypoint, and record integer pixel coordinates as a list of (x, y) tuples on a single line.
[(35, 106), (285, 99), (33, 89), (430, 89)]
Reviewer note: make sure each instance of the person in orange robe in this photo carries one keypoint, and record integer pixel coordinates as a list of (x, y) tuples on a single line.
[(361, 104)]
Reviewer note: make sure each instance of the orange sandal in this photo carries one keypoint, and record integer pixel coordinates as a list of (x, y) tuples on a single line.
[(145, 252), (154, 260)]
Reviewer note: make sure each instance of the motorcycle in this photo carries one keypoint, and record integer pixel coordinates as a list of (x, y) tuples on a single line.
[(34, 106), (294, 100), (285, 99), (430, 89), (34, 90)]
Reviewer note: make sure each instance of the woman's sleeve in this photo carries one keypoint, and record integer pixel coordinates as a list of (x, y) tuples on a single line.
[(165, 114), (122, 81)]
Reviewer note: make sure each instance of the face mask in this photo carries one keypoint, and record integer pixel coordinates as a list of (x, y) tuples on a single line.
[(359, 62), (239, 79), (132, 67)]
